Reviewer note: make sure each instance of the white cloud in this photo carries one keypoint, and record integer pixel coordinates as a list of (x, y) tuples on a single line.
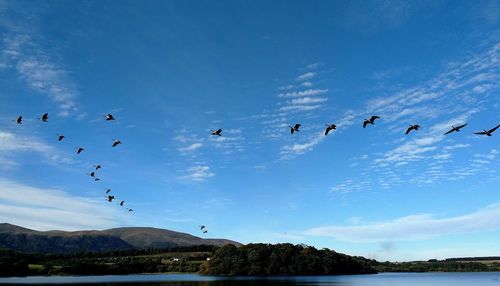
[(413, 227), (12, 144), (309, 92), (290, 151), (199, 173), (191, 147), (299, 107), (305, 76), (37, 68), (307, 100), (48, 209)]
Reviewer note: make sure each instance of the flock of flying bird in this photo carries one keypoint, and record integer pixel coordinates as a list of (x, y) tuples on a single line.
[(366, 122), (293, 129), (93, 174)]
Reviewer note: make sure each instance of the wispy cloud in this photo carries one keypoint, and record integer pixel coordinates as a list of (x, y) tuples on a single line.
[(413, 227), (198, 173), (232, 141), (23, 52), (191, 147), (291, 151), (305, 76), (12, 144), (48, 209), (308, 92)]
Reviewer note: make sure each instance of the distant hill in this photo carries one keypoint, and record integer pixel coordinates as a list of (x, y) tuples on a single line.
[(27, 240)]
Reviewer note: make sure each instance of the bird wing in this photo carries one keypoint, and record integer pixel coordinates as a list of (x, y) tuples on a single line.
[(493, 130), (462, 126), (480, 133), (327, 130), (372, 119), (365, 123), (451, 130), (291, 130), (297, 126), (408, 130)]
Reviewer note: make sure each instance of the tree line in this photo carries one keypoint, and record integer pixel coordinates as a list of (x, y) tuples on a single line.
[(282, 259)]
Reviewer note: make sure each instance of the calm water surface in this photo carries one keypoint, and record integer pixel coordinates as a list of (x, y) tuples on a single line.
[(384, 279)]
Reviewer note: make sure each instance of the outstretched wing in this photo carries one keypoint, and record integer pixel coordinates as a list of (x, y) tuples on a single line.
[(297, 126), (451, 130), (408, 130), (327, 130), (462, 126), (481, 133), (493, 130), (365, 123), (372, 119)]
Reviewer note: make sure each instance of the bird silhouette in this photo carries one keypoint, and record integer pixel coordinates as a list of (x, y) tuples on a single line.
[(79, 150), (109, 117), (97, 167), (412, 127), (202, 227), (488, 132), (19, 120), (330, 128), (110, 198), (116, 143), (60, 137), (108, 191), (205, 231), (45, 117), (295, 128), (92, 174), (217, 132), (121, 203), (97, 179), (130, 210), (370, 121), (455, 128)]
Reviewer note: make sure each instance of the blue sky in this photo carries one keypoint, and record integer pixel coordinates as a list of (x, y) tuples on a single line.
[(172, 70)]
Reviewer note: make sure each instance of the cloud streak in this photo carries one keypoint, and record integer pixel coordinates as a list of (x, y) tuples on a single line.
[(48, 209), (413, 227)]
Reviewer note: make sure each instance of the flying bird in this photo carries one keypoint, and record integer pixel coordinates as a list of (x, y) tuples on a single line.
[(97, 167), (370, 121), (108, 191), (45, 117), (330, 128), (92, 174), (205, 231), (202, 227), (217, 132), (121, 203), (97, 179), (19, 120), (455, 128), (412, 127), (130, 210), (60, 137), (110, 198), (116, 143), (295, 128), (488, 132), (109, 117), (79, 150)]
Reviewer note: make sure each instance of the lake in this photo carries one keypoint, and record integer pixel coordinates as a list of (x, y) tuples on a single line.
[(383, 279)]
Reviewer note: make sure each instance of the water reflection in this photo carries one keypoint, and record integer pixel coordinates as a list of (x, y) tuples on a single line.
[(386, 279)]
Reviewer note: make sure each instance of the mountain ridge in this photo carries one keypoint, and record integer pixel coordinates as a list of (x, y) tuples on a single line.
[(22, 239)]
